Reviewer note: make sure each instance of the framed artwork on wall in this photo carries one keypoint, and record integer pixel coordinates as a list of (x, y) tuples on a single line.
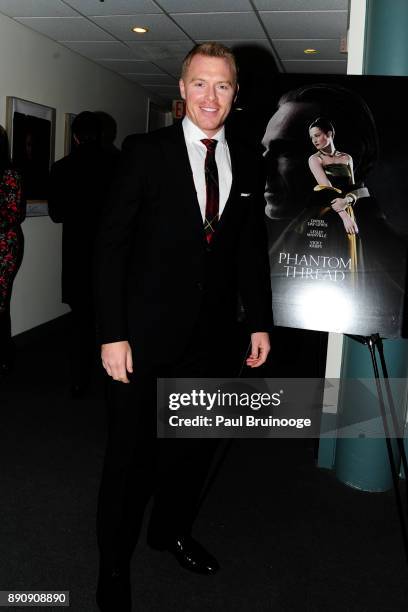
[(31, 131)]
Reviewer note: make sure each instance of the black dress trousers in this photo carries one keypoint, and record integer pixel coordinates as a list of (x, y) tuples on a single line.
[(138, 465)]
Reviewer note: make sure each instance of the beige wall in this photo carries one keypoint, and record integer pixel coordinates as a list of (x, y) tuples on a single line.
[(35, 68)]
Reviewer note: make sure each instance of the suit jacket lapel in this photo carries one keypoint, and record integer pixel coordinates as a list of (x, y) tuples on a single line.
[(182, 177)]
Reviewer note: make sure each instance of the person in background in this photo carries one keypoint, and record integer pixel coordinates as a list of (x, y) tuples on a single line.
[(12, 214), (108, 133), (78, 185), (132, 140)]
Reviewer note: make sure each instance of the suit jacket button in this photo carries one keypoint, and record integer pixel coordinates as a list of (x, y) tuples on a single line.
[(200, 286)]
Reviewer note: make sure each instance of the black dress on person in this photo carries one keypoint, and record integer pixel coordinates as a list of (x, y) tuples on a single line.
[(12, 214)]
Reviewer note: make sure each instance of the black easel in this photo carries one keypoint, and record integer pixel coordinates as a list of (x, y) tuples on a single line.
[(372, 342)]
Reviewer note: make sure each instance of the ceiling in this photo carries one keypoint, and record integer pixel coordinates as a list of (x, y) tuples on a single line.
[(101, 31)]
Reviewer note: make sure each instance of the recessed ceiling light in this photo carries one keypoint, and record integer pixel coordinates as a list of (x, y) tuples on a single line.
[(140, 30), (310, 51)]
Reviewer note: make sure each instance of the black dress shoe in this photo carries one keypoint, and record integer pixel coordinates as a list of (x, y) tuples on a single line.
[(113, 592), (189, 553)]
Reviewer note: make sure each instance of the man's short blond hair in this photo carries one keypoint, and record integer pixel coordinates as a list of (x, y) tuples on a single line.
[(211, 49)]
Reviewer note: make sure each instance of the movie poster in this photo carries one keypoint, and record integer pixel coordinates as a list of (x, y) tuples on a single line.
[(336, 205)]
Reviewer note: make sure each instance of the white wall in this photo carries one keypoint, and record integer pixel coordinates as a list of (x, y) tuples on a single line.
[(356, 36), (35, 68)]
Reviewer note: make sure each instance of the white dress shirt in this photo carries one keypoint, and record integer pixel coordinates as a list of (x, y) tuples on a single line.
[(197, 152)]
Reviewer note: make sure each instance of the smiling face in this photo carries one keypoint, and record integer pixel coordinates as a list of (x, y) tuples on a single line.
[(320, 139), (208, 87)]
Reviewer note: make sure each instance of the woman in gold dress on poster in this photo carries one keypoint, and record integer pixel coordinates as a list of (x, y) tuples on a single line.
[(319, 256), (333, 171), (326, 230)]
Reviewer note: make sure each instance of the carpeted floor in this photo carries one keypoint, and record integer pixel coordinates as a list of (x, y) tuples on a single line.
[(289, 537)]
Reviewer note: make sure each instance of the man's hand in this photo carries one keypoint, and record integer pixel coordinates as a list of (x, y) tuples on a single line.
[(117, 360), (339, 204), (260, 347)]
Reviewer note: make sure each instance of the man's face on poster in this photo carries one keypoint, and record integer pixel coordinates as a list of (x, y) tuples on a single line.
[(287, 148)]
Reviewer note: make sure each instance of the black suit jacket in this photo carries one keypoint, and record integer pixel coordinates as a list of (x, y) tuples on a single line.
[(78, 185), (156, 274)]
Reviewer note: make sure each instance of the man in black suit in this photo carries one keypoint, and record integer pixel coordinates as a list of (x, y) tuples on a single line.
[(182, 236), (78, 184)]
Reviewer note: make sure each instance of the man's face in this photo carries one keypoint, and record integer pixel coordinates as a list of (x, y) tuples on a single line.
[(287, 148), (209, 91)]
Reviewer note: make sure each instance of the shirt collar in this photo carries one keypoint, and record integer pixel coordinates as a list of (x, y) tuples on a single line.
[(192, 132)]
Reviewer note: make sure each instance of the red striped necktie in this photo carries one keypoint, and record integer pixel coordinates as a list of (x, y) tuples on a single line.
[(212, 188)]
